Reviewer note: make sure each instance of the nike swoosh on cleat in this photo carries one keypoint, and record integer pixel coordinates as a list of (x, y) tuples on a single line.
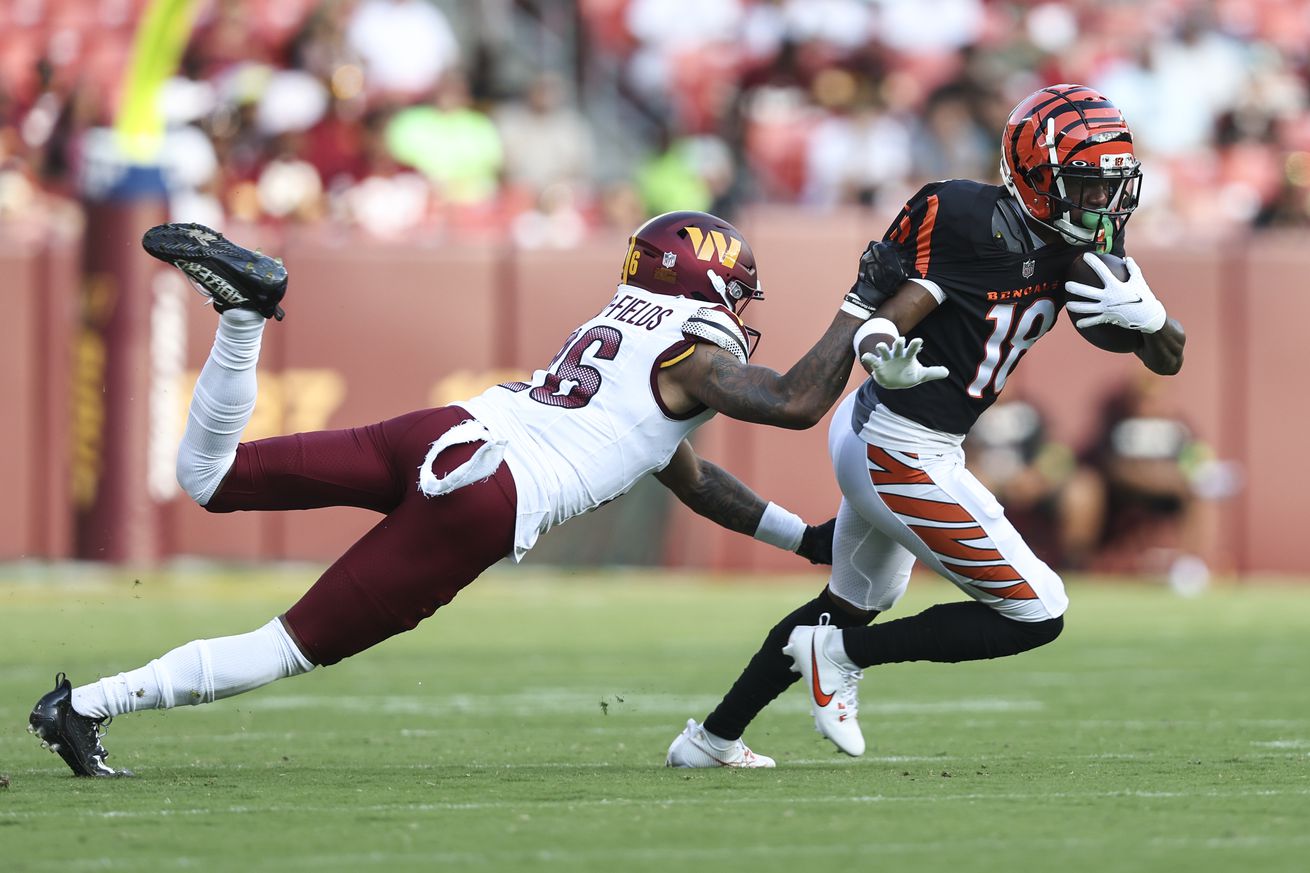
[(819, 697)]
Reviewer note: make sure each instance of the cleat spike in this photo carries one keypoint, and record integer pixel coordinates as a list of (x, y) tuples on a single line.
[(69, 734), (230, 276)]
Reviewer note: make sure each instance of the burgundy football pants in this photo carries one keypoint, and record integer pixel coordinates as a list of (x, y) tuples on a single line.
[(414, 560)]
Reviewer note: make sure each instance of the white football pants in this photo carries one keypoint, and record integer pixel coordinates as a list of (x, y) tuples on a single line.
[(900, 505)]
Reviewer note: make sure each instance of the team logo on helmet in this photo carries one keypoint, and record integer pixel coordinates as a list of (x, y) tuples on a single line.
[(714, 242), (695, 255)]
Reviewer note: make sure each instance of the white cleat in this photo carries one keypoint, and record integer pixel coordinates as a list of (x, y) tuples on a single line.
[(692, 748), (831, 680)]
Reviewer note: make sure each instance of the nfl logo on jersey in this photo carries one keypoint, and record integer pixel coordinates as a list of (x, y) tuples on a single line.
[(1028, 267)]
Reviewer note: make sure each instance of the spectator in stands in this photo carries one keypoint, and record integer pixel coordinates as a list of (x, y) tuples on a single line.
[(381, 197), (858, 150), (224, 39), (1160, 486), (407, 45), (693, 172), (289, 188), (949, 142), (719, 73), (546, 140), (1056, 503), (667, 30), (451, 142)]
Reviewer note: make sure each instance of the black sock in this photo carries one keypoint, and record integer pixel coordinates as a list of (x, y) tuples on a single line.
[(947, 632), (769, 672)]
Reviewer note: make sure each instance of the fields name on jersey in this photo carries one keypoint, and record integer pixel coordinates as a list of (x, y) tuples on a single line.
[(1026, 291), (636, 312)]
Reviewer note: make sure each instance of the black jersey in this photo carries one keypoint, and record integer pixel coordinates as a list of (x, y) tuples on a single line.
[(1002, 289)]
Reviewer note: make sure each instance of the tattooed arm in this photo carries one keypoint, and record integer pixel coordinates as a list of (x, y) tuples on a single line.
[(712, 491), (796, 399)]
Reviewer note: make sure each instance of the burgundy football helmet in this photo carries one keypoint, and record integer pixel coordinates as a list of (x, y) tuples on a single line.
[(692, 254), (1067, 149)]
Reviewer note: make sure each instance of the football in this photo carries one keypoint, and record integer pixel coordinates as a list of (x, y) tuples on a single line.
[(1103, 336)]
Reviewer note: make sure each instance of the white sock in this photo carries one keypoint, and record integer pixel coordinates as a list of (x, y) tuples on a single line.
[(835, 649), (221, 405), (717, 742), (201, 671)]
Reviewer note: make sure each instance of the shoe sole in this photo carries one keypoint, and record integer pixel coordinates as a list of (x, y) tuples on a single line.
[(187, 246), (41, 731)]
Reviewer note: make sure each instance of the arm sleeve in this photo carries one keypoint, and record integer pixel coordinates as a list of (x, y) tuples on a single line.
[(718, 326)]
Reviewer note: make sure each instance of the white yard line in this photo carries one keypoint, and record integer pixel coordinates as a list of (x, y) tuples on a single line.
[(708, 800)]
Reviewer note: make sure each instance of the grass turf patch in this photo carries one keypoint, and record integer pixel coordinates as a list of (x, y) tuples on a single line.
[(524, 728)]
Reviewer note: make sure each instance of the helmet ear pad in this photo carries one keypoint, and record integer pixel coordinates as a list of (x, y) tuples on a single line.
[(1040, 204)]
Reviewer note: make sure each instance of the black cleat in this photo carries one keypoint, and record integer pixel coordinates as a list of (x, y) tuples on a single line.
[(232, 277), (68, 733)]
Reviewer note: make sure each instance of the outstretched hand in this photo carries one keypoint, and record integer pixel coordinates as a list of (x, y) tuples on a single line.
[(898, 366)]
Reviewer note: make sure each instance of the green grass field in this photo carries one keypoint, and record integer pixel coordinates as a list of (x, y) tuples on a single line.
[(524, 728)]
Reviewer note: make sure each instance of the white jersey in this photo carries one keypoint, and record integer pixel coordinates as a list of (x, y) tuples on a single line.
[(591, 424)]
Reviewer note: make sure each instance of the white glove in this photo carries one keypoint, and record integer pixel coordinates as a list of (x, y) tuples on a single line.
[(1127, 304), (898, 366)]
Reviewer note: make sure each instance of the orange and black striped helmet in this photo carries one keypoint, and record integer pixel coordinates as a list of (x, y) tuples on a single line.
[(1067, 157)]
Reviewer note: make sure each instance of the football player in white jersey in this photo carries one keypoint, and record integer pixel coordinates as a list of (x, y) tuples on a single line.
[(463, 486)]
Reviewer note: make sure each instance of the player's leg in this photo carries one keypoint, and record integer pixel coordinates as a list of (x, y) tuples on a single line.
[(870, 573), (245, 288), (769, 672), (852, 597), (221, 404), (935, 508), (298, 471), (357, 466), (411, 563), (217, 470), (938, 512)]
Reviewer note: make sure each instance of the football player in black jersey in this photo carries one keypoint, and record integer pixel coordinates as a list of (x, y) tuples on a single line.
[(968, 276)]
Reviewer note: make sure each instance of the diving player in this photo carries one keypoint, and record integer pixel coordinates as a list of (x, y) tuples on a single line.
[(463, 486)]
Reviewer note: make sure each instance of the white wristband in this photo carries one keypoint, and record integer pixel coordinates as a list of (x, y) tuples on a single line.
[(780, 528), (871, 327), (859, 310)]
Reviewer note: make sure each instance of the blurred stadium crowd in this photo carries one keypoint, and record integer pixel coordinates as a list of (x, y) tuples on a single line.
[(547, 120)]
